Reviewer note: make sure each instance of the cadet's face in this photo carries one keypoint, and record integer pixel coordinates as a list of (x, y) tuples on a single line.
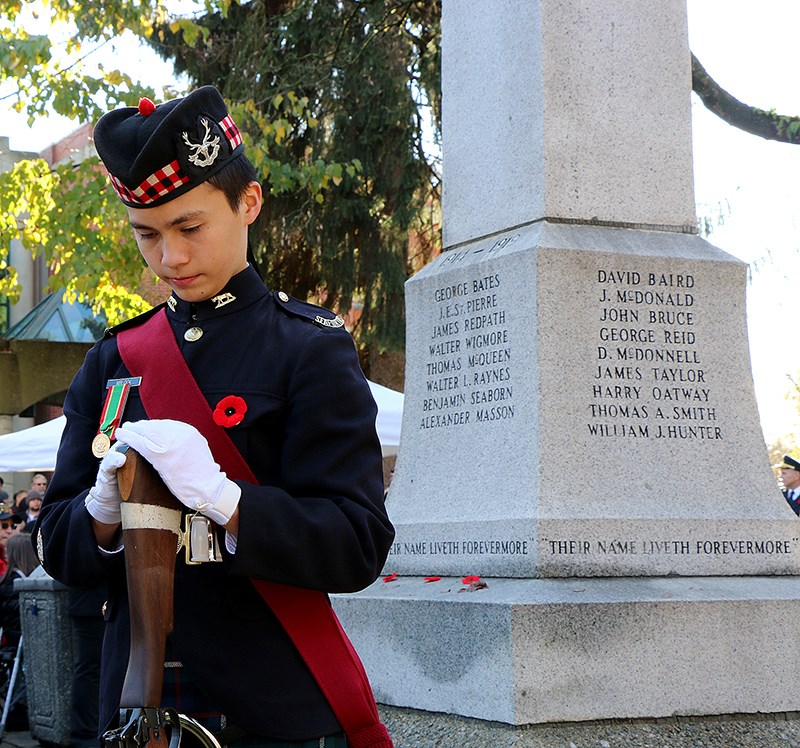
[(196, 243)]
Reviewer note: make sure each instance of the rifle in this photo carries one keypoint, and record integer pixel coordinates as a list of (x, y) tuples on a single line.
[(151, 519)]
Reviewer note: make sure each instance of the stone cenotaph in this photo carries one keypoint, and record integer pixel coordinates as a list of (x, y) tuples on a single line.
[(580, 427)]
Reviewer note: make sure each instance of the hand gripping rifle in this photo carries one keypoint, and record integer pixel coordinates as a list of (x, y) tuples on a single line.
[(151, 518)]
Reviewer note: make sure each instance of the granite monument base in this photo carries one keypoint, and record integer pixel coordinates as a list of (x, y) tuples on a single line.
[(579, 403), (571, 650)]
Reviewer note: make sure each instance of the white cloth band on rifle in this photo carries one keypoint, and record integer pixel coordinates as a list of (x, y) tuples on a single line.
[(150, 517)]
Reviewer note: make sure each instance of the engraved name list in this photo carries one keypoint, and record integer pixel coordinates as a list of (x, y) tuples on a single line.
[(649, 381), (467, 371)]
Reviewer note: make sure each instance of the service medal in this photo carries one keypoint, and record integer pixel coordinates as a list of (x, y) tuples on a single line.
[(100, 445), (116, 397)]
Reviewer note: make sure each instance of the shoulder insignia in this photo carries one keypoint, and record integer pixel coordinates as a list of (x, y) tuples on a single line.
[(313, 313), (328, 322), (132, 322)]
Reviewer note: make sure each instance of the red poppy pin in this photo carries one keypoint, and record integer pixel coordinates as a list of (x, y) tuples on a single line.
[(230, 411)]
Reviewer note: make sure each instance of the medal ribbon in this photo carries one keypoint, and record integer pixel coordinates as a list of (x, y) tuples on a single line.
[(116, 398)]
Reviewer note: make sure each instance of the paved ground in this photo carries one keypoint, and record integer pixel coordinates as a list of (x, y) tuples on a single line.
[(415, 729)]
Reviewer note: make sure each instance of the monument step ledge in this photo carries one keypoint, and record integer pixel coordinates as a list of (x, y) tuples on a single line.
[(543, 651), (512, 591)]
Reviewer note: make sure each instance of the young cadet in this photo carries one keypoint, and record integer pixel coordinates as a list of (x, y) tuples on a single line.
[(283, 382)]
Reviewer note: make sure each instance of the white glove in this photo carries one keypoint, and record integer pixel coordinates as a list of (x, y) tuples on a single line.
[(181, 456), (103, 499)]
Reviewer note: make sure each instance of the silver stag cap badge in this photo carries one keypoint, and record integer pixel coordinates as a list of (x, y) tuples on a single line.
[(205, 153)]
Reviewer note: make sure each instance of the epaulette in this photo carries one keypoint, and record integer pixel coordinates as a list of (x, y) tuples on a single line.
[(311, 312), (132, 322)]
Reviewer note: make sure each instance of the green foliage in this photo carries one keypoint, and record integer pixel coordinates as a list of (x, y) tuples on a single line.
[(333, 98), (69, 215), (789, 127), (46, 75)]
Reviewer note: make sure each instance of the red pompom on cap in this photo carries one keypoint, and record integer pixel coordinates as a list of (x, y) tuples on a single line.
[(146, 107)]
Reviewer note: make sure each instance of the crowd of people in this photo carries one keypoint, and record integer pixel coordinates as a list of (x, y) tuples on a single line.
[(18, 513), (24, 504), (17, 560)]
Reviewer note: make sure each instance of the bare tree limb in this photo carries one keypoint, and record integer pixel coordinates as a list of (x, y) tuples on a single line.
[(768, 125)]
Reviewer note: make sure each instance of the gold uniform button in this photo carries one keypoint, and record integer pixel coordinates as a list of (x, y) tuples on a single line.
[(192, 334), (284, 297)]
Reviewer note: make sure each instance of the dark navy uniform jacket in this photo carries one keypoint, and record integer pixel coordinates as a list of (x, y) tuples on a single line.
[(794, 503), (316, 520)]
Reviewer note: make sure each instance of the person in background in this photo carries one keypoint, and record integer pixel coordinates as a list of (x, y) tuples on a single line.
[(21, 562), (8, 503), (790, 478), (20, 502), (33, 505), (24, 511), (9, 526), (3, 494), (39, 483)]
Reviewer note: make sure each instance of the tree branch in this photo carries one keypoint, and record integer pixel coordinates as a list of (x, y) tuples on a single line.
[(768, 125)]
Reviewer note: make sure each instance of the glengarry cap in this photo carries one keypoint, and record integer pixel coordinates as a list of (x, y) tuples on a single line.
[(153, 153)]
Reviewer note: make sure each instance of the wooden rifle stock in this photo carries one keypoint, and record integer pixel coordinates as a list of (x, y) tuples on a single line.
[(150, 567), (151, 518)]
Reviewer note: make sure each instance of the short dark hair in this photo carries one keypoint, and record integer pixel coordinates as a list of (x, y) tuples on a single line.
[(233, 179)]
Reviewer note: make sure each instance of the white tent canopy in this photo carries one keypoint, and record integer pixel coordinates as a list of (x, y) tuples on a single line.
[(34, 449), (31, 449), (390, 417)]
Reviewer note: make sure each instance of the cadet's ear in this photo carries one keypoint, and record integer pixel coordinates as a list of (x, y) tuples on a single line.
[(251, 202)]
